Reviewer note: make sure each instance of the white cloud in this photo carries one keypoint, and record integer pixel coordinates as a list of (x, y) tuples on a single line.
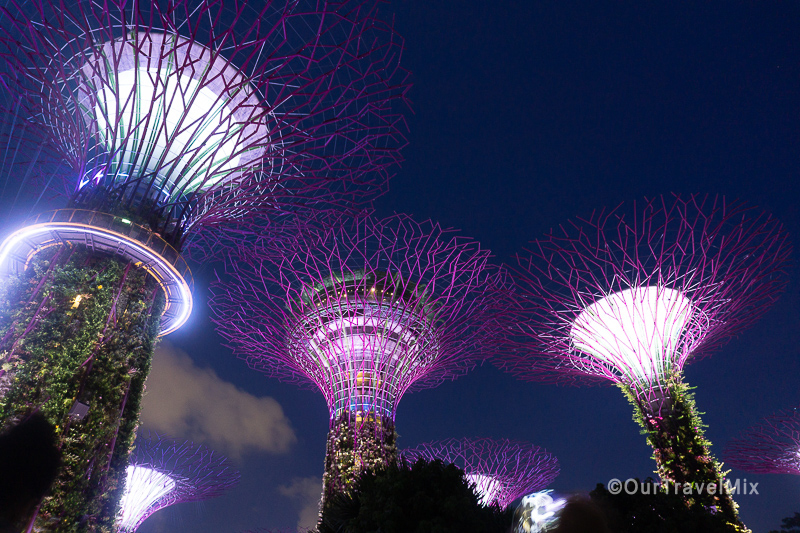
[(184, 401), (308, 491)]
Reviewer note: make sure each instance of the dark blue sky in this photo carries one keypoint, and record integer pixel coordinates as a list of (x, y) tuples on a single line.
[(531, 113)]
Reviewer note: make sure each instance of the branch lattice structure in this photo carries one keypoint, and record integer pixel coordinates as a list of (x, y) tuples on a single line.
[(501, 470), (161, 126), (185, 114), (365, 311), (630, 297), (163, 472), (771, 447)]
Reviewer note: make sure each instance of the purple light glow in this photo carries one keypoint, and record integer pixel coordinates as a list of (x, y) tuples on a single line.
[(501, 470), (153, 109), (771, 447), (164, 472), (630, 297), (364, 311)]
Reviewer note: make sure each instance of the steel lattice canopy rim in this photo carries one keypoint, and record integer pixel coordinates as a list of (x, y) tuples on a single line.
[(113, 235), (221, 109)]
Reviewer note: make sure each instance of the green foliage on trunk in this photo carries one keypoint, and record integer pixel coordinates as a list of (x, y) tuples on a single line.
[(79, 327), (670, 420), (357, 446)]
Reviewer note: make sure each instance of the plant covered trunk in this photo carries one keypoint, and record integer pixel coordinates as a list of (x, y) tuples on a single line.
[(670, 419), (356, 446), (78, 330)]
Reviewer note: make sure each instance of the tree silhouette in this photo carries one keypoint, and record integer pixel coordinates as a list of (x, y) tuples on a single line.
[(790, 524), (426, 497), (655, 511)]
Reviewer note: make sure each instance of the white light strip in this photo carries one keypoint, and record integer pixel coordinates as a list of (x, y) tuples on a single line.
[(185, 306)]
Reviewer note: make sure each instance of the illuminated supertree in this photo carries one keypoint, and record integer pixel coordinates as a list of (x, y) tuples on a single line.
[(160, 123), (364, 311), (630, 297), (772, 447), (501, 470), (163, 472)]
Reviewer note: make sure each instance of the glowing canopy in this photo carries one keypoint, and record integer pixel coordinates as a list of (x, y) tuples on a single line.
[(170, 111), (144, 489), (363, 348), (636, 331), (487, 487), (501, 470)]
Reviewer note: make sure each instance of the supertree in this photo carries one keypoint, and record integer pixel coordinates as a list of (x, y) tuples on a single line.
[(156, 120), (629, 297), (163, 472), (501, 470), (771, 447), (363, 310)]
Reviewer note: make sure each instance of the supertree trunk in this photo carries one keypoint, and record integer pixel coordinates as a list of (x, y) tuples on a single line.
[(78, 335), (363, 309), (671, 422), (630, 296), (356, 446)]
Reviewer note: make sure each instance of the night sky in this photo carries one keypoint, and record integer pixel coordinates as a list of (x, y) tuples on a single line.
[(527, 114)]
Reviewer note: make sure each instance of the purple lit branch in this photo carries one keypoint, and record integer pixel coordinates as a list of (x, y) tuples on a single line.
[(364, 310), (502, 470), (164, 472), (197, 113), (628, 295), (772, 447)]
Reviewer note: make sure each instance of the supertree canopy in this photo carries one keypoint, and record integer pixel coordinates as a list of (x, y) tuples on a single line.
[(629, 297), (364, 310), (501, 470), (155, 123), (163, 472), (772, 447), (187, 113)]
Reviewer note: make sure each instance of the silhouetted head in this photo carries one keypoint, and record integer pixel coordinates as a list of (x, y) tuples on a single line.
[(581, 515), (29, 462)]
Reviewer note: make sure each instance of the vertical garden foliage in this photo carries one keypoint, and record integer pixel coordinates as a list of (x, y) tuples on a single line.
[(354, 447), (79, 327), (674, 430)]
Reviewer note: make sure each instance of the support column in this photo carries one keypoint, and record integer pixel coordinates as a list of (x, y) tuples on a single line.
[(669, 418), (78, 332), (356, 445)]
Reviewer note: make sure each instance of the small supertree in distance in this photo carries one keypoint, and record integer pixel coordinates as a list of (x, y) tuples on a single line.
[(157, 123), (502, 470), (629, 297), (771, 447), (363, 309), (163, 472)]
